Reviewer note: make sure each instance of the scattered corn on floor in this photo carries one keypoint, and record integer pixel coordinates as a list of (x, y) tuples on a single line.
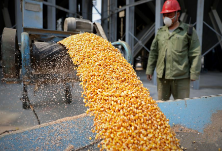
[(126, 116)]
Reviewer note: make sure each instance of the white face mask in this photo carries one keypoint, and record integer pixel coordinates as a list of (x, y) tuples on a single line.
[(168, 21)]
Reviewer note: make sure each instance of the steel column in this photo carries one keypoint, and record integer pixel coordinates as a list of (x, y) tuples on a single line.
[(113, 21), (6, 15), (26, 61), (18, 19), (87, 9), (158, 16), (73, 8), (51, 15), (159, 23), (130, 25), (104, 22), (199, 29)]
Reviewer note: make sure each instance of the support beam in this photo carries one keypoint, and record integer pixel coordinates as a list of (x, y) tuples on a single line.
[(51, 15), (158, 16), (18, 19), (217, 19), (183, 17), (215, 27), (199, 29), (97, 10), (130, 25), (112, 21), (104, 22), (73, 8), (87, 9), (159, 23), (6, 15), (147, 34)]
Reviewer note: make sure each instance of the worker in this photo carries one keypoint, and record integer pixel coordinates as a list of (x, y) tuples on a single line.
[(176, 54)]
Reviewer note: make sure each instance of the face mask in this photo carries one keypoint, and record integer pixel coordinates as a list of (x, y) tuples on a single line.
[(168, 21)]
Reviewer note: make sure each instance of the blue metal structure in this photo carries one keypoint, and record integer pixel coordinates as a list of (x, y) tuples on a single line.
[(26, 61), (194, 114), (39, 65), (32, 14), (127, 51), (56, 135)]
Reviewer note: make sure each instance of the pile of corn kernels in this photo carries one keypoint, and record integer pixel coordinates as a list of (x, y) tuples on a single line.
[(126, 117)]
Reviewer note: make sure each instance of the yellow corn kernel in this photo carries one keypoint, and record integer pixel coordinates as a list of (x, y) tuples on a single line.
[(125, 116)]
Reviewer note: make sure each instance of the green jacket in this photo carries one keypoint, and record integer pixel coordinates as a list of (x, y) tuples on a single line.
[(176, 53)]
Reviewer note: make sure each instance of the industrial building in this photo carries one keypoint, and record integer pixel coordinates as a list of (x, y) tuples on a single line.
[(43, 102), (133, 21)]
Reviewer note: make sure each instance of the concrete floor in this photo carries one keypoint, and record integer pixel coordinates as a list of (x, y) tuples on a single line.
[(50, 105)]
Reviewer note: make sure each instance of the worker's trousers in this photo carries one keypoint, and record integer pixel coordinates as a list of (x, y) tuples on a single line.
[(179, 88)]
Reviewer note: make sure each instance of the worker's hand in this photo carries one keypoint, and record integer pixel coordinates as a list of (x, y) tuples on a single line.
[(192, 80), (149, 77)]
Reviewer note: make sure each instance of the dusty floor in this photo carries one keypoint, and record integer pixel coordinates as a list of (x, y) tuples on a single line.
[(50, 105), (209, 140)]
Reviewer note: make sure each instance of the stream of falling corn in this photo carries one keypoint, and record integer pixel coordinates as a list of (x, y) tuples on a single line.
[(125, 116)]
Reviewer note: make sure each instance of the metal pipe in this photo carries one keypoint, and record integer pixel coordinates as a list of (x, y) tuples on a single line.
[(127, 49)]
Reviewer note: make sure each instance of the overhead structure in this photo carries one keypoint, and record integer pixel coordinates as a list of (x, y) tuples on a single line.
[(40, 58), (143, 38), (137, 26)]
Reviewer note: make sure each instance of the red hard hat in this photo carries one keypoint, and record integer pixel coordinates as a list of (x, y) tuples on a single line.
[(170, 6)]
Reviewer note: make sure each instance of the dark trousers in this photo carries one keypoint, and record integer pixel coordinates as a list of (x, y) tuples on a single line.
[(179, 88)]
